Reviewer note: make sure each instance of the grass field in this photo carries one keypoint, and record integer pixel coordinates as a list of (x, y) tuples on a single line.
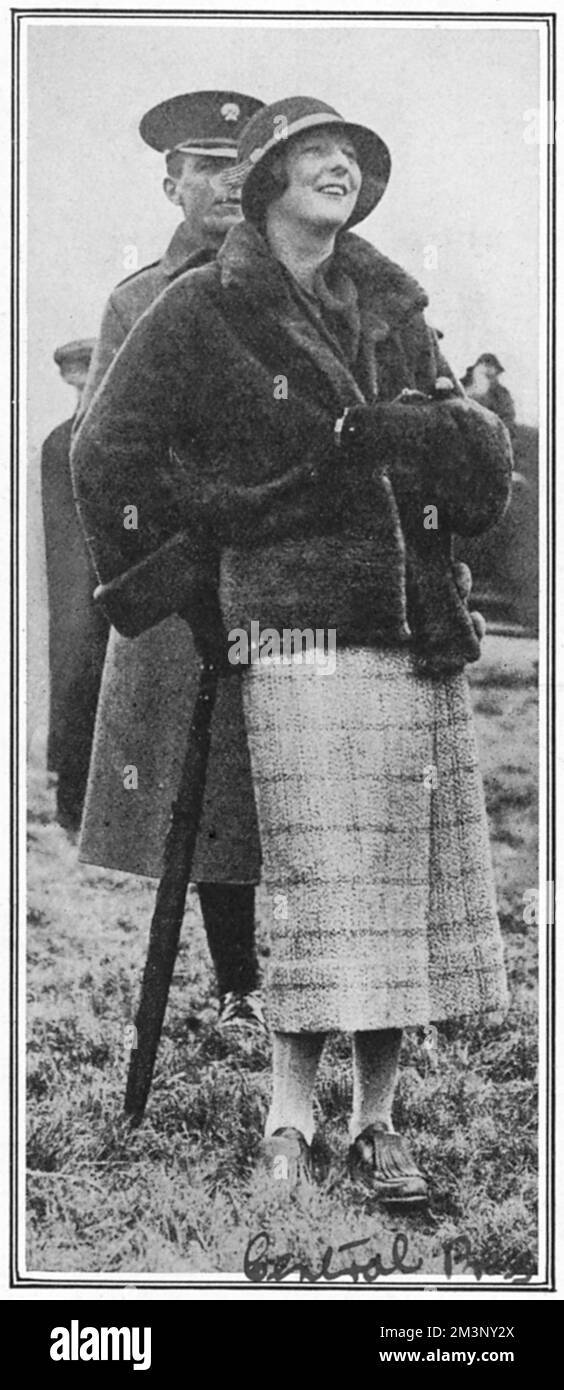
[(183, 1193)]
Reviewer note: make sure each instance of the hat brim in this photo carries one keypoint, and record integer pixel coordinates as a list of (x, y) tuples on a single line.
[(197, 118), (79, 351), (373, 156)]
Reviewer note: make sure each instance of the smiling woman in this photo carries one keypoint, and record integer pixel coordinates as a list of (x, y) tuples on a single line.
[(338, 155), (320, 167), (372, 821), (321, 183)]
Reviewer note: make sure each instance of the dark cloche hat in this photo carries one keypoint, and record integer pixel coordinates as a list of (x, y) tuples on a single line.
[(273, 125), (199, 122), (489, 359), (80, 350)]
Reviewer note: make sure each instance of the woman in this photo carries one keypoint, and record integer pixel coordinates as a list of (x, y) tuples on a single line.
[(289, 407)]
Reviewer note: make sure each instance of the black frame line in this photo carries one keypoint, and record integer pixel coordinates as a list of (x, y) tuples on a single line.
[(17, 1279)]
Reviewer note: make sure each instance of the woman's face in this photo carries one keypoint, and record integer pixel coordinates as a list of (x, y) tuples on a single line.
[(324, 179)]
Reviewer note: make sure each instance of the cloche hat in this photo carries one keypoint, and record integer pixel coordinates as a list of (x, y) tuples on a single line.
[(273, 125)]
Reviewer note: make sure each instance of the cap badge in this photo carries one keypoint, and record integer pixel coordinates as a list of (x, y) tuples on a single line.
[(230, 111)]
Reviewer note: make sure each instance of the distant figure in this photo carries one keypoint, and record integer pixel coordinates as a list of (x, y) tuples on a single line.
[(504, 562), (78, 632), (482, 383)]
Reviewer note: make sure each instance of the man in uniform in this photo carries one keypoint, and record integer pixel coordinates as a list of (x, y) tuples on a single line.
[(150, 682), (78, 632)]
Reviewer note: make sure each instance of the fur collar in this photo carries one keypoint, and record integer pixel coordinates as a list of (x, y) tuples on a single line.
[(245, 260)]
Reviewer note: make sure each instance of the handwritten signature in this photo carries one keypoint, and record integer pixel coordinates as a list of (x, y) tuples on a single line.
[(261, 1266)]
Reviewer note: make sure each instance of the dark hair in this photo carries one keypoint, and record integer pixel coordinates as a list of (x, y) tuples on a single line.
[(268, 181)]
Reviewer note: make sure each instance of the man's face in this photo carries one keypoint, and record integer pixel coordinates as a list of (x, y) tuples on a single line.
[(209, 208), (324, 179), (75, 374)]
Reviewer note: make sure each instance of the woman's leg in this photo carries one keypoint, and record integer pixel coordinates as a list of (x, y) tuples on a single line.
[(375, 1070), (295, 1059), (379, 1160)]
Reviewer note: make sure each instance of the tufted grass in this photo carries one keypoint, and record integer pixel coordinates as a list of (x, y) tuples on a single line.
[(184, 1193)]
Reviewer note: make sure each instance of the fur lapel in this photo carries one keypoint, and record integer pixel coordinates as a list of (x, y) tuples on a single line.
[(253, 280), (245, 259)]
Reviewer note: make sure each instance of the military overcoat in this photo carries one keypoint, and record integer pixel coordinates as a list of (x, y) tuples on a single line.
[(148, 691), (78, 631)]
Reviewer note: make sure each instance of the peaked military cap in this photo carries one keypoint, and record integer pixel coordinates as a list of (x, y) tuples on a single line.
[(199, 122), (80, 350)]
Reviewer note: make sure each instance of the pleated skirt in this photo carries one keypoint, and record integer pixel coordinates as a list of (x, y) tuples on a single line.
[(376, 858)]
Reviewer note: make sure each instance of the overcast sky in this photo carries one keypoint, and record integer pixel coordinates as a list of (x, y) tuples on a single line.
[(454, 105)]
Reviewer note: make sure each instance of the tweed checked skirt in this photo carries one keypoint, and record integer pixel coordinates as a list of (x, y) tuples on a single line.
[(375, 846)]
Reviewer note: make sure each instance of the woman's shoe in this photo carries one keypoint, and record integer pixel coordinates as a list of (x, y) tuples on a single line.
[(382, 1165), (287, 1157)]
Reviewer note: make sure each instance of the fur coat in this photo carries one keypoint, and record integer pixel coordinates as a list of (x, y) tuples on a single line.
[(217, 419)]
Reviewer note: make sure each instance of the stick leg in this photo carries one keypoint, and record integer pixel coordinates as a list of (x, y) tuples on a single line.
[(171, 899)]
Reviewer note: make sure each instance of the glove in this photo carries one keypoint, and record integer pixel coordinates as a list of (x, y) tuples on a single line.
[(463, 581), (442, 449), (395, 437)]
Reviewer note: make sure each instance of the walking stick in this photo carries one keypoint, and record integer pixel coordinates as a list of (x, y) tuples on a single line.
[(171, 899), (174, 579)]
